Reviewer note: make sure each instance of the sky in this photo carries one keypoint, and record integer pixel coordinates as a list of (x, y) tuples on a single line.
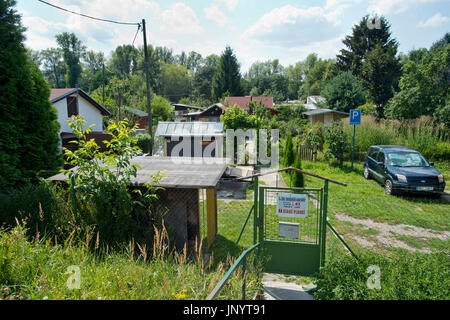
[(256, 30)]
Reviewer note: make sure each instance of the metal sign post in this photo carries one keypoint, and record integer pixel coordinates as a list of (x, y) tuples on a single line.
[(355, 119)]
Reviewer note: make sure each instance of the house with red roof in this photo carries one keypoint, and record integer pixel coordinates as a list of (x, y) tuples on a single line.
[(244, 102)]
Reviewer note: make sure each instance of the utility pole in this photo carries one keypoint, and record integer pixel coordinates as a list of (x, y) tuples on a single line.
[(103, 82), (147, 78)]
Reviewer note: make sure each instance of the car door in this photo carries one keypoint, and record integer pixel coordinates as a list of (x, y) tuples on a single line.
[(372, 160), (381, 166)]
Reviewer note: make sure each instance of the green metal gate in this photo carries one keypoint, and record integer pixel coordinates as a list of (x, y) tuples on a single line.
[(302, 250)]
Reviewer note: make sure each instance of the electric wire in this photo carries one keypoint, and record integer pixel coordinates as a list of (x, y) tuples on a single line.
[(90, 17)]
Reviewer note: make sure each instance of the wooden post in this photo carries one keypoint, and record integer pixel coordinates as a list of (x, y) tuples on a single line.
[(211, 215)]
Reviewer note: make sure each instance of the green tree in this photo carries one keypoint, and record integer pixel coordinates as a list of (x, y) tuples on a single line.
[(72, 50), (344, 92), (295, 75), (370, 55), (423, 86), (202, 81), (336, 143), (227, 76), (28, 125), (124, 61), (298, 179), (289, 153), (54, 69), (318, 75), (237, 118), (380, 73), (175, 82)]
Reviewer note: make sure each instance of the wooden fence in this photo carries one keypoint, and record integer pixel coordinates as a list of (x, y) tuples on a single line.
[(307, 153)]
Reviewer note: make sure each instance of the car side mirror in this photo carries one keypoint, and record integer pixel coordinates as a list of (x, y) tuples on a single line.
[(431, 164)]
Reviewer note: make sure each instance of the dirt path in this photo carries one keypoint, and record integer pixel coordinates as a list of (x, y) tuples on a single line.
[(387, 233), (272, 180)]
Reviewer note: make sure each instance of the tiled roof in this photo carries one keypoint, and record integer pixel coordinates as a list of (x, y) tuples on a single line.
[(56, 93), (242, 102)]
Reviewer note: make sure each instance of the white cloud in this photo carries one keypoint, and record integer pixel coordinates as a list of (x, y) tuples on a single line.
[(340, 4), (435, 21), (180, 19), (290, 27), (213, 13), (231, 4), (395, 6)]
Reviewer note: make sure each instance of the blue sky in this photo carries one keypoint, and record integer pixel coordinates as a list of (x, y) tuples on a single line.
[(256, 30)]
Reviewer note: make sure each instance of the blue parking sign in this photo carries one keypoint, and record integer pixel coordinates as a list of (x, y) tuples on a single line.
[(355, 117)]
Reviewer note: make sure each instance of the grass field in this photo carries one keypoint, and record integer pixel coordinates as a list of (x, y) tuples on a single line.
[(39, 270)]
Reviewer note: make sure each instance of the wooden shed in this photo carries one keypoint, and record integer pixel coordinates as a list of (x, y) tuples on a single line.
[(182, 182), (325, 116)]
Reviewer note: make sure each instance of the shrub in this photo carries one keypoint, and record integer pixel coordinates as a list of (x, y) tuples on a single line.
[(404, 276), (143, 142), (101, 181), (336, 142), (289, 154), (298, 179), (42, 206)]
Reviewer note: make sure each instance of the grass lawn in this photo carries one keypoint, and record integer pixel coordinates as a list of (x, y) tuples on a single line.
[(366, 199)]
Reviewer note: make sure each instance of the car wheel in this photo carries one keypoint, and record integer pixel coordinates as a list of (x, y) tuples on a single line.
[(388, 187), (366, 173)]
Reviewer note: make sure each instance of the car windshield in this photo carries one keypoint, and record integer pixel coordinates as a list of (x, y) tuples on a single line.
[(407, 159)]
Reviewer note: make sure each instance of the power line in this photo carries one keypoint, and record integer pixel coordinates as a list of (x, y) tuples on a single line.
[(137, 31), (90, 17)]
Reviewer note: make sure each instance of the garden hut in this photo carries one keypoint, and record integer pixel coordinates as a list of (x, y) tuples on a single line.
[(189, 187)]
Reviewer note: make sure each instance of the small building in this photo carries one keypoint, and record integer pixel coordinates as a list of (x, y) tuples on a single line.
[(325, 116), (183, 112), (191, 139), (180, 197), (74, 102), (137, 117), (212, 114)]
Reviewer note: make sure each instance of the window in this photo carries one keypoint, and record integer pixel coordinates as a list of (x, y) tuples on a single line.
[(381, 157), (72, 106), (406, 159), (373, 153)]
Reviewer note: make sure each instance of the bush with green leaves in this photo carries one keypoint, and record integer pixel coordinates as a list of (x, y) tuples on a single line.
[(143, 141), (403, 276), (101, 182), (289, 153), (298, 179), (344, 92), (336, 142)]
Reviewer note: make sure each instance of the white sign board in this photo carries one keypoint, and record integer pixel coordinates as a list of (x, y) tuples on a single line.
[(288, 230), (291, 205)]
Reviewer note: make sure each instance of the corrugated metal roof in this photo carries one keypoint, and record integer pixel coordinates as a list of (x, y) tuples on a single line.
[(322, 111), (179, 173), (188, 129), (136, 112)]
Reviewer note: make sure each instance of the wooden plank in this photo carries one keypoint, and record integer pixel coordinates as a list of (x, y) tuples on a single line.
[(211, 215)]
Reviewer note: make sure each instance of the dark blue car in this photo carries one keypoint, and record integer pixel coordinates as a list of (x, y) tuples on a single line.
[(402, 169)]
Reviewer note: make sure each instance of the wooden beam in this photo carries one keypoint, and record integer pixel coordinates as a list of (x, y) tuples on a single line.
[(211, 215)]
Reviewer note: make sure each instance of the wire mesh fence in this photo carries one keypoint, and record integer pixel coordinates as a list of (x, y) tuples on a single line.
[(308, 226)]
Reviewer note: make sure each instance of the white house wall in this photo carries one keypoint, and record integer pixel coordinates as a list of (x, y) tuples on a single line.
[(90, 113)]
